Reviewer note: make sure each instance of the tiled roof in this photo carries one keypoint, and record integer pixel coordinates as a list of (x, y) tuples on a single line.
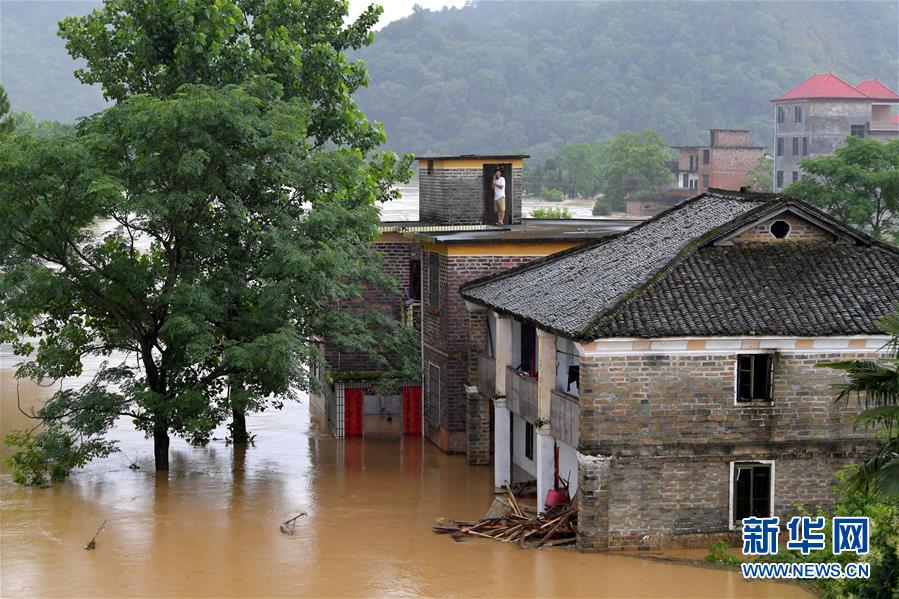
[(823, 86), (876, 90), (787, 288), (598, 289)]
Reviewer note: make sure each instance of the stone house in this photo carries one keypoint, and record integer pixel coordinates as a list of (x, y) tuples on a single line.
[(676, 365), (815, 118)]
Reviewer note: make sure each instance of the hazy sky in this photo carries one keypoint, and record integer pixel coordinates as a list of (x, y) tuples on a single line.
[(397, 9)]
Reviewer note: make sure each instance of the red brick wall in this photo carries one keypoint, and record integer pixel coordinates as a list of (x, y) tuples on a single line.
[(723, 137), (729, 166), (800, 230)]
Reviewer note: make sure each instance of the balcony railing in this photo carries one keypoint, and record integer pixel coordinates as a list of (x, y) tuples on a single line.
[(563, 417), (883, 126), (521, 394)]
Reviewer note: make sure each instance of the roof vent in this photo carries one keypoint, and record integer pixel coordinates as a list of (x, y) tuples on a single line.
[(780, 228)]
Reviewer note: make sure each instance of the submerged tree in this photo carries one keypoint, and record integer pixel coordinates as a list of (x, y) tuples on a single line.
[(876, 384), (858, 183), (243, 185), (632, 164), (760, 178)]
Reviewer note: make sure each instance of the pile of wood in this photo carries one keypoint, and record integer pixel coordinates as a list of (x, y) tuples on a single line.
[(509, 522)]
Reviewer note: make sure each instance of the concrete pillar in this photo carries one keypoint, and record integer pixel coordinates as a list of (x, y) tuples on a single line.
[(502, 434), (594, 473), (546, 381)]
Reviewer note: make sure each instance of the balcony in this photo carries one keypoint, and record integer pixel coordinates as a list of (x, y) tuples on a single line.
[(521, 394), (563, 417), (486, 375), (883, 126)]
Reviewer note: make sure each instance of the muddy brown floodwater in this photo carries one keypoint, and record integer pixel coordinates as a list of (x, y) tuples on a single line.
[(210, 526)]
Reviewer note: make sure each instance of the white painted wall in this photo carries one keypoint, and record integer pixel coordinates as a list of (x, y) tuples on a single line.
[(566, 355), (568, 465)]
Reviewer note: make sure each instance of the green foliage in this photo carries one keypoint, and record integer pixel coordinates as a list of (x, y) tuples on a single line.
[(883, 511), (552, 195), (875, 384), (6, 123), (718, 554), (26, 124), (858, 183), (551, 213), (49, 455), (634, 164), (760, 177), (601, 207)]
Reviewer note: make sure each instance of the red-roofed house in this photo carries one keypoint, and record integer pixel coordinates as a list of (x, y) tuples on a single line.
[(815, 117)]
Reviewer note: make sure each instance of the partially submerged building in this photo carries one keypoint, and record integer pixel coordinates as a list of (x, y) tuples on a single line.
[(673, 367), (454, 241)]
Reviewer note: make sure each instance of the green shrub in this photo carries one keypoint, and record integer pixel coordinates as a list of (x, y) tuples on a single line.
[(49, 455), (601, 207), (551, 213), (718, 554), (552, 195)]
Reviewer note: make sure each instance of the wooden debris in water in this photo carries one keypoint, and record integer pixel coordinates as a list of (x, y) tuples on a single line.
[(508, 522), (288, 527), (92, 544)]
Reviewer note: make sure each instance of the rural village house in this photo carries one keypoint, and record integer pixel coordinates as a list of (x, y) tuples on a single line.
[(671, 369)]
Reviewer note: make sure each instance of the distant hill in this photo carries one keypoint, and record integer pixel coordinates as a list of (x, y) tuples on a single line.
[(531, 76)]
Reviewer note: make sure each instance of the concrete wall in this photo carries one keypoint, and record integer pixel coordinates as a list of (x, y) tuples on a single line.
[(518, 442), (666, 428), (456, 195)]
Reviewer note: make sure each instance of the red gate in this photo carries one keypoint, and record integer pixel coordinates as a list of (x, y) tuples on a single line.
[(412, 410), (353, 411)]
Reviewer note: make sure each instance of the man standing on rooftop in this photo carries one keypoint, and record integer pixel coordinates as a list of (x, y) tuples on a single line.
[(499, 195)]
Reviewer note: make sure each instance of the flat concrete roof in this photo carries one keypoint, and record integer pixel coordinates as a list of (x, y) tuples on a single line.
[(528, 230), (475, 157)]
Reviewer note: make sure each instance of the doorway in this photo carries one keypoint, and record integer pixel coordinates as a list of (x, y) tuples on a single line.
[(489, 208)]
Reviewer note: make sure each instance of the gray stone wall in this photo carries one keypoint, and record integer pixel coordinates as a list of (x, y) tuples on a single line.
[(455, 196)]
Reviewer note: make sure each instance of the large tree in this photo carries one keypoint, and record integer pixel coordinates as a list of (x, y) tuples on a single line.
[(633, 164), (6, 122), (858, 183), (243, 182)]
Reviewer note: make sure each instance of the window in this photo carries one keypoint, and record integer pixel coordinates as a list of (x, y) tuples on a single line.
[(705, 181), (754, 374), (434, 279), (780, 179), (795, 176), (805, 146), (430, 167), (781, 114), (528, 345), (780, 228), (490, 344), (432, 400), (857, 130), (752, 486), (693, 184), (705, 156), (780, 146), (686, 181), (795, 146), (415, 279), (568, 371), (528, 440), (797, 114)]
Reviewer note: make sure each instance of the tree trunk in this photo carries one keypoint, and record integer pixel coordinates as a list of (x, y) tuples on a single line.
[(239, 426), (161, 446)]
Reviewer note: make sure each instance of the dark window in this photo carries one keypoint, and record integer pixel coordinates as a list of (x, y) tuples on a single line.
[(686, 181), (705, 181), (705, 156), (795, 176), (752, 491), (430, 167), (415, 279), (857, 130), (754, 373), (795, 146), (780, 179), (693, 184), (528, 344), (780, 146), (781, 114), (780, 228), (432, 409), (805, 146), (797, 114), (434, 279), (528, 440)]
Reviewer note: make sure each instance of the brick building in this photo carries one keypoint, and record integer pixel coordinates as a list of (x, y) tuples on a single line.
[(452, 243), (675, 364), (815, 118)]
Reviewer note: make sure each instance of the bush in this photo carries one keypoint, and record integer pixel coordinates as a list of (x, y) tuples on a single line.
[(50, 455), (551, 213), (718, 554), (552, 195), (601, 207)]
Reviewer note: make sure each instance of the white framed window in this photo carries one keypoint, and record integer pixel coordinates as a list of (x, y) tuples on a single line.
[(751, 491)]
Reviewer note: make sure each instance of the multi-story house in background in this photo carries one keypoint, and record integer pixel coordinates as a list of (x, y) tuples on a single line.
[(815, 118), (724, 163), (676, 374)]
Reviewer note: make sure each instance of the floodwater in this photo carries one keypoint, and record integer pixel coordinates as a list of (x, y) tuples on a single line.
[(210, 527)]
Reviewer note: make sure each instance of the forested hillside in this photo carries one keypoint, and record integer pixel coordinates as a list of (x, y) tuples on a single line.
[(532, 76)]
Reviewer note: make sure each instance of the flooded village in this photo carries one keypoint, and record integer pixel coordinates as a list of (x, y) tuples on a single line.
[(247, 352)]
